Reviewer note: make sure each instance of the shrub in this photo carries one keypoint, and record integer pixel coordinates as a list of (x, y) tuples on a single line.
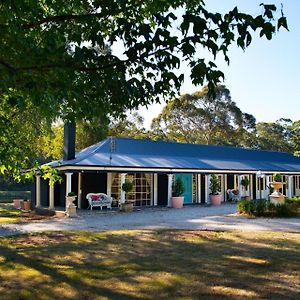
[(127, 186), (277, 177), (263, 208), (215, 185), (260, 207), (295, 200), (246, 207), (286, 210), (178, 187)]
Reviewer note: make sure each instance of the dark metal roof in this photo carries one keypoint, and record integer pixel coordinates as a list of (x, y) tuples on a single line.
[(159, 154)]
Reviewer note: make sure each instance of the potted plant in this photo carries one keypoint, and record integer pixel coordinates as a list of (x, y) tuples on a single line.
[(26, 204), (70, 206), (127, 187), (215, 189), (177, 191), (245, 183)]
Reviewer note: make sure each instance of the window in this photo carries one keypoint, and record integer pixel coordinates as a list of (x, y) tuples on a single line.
[(142, 188)]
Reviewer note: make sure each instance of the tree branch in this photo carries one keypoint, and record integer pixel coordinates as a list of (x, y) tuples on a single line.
[(60, 19)]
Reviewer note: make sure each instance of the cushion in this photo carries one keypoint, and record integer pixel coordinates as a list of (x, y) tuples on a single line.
[(95, 198)]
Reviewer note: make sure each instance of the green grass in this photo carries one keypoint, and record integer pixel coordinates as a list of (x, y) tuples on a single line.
[(8, 214), (150, 265)]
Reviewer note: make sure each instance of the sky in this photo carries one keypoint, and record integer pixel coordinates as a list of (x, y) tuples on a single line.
[(264, 80)]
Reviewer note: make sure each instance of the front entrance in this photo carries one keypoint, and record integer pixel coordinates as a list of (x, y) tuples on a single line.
[(188, 185)]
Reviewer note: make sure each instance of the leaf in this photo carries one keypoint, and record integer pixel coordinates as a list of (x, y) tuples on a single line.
[(282, 22)]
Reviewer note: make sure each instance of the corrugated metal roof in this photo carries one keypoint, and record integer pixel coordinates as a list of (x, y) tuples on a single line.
[(159, 154)]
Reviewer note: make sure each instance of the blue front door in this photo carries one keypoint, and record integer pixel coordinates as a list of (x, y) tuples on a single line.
[(188, 186)]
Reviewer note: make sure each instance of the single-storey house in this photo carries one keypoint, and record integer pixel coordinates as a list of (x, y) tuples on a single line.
[(152, 166)]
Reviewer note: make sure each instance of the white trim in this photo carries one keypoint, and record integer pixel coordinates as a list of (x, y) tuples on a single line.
[(109, 182), (225, 187), (38, 191), (68, 183), (290, 187), (122, 179), (198, 188), (155, 189), (167, 170), (79, 196), (207, 189), (51, 196), (170, 182)]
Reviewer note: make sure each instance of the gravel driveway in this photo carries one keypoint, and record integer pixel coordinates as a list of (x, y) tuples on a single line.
[(222, 217)]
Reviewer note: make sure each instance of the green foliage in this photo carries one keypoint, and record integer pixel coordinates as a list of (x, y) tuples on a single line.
[(178, 187), (71, 194), (277, 177), (295, 200), (200, 118), (264, 208), (245, 182), (73, 72), (215, 185), (127, 186), (286, 210)]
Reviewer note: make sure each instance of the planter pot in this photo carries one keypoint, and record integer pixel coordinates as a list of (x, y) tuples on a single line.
[(27, 205), (215, 199), (70, 206), (177, 202), (18, 203), (126, 207)]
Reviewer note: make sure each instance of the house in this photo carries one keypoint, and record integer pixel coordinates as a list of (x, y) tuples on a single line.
[(152, 166)]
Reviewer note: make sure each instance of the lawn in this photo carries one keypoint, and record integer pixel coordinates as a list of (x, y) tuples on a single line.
[(150, 265), (8, 214)]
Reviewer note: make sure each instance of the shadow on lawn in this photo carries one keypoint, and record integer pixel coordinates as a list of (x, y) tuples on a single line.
[(150, 264)]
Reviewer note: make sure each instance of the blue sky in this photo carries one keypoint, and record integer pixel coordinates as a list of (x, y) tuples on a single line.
[(264, 80)]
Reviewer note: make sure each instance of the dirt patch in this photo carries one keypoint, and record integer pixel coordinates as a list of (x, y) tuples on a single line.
[(49, 239)]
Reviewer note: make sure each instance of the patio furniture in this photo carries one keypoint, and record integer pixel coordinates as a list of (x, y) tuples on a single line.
[(233, 195), (99, 200)]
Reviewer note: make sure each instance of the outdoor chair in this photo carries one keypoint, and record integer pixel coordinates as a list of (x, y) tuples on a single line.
[(233, 195), (99, 200)]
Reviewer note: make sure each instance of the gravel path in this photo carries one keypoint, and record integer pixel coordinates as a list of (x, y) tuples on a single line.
[(222, 217)]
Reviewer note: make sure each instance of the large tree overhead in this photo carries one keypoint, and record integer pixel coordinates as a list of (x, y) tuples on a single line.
[(199, 118), (64, 55), (60, 53)]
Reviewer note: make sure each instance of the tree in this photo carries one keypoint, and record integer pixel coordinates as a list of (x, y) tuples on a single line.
[(199, 118), (275, 136), (60, 54)]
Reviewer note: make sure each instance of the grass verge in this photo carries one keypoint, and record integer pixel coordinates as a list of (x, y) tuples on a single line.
[(150, 265)]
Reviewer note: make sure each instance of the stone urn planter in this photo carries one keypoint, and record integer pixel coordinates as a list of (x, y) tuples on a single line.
[(70, 206), (276, 197), (177, 202)]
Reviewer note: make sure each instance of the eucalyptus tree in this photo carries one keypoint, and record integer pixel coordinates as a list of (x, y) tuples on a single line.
[(64, 55), (200, 118)]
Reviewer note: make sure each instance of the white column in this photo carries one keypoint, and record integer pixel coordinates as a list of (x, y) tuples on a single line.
[(108, 190), (225, 187), (51, 196), (251, 186), (170, 182), (155, 189), (38, 191), (240, 187), (198, 188), (123, 177), (290, 186), (267, 186), (68, 183), (207, 189), (79, 192)]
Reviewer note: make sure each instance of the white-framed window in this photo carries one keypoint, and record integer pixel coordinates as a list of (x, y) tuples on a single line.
[(142, 188)]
